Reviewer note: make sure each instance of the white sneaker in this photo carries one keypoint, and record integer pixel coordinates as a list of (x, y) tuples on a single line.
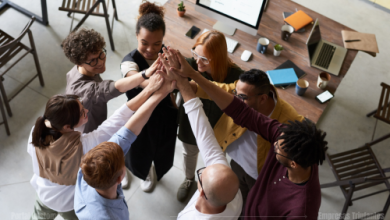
[(126, 180), (150, 180)]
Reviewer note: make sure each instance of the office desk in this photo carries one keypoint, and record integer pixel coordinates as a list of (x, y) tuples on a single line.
[(270, 25)]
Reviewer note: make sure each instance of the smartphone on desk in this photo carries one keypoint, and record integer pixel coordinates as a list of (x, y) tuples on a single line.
[(192, 32), (324, 97)]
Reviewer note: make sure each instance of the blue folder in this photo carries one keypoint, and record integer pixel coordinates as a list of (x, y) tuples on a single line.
[(282, 77)]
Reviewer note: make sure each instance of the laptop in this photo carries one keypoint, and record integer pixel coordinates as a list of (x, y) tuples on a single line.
[(324, 55)]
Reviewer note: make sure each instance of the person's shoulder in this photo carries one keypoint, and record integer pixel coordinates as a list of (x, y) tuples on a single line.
[(130, 56), (287, 112)]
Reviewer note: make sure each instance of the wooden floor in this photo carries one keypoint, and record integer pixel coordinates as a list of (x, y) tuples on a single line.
[(271, 22)]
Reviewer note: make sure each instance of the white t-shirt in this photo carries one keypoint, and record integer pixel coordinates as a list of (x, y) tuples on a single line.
[(60, 197), (211, 154), (244, 150), (232, 211), (132, 66)]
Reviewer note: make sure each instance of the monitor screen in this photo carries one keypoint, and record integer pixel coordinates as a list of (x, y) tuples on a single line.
[(314, 39), (247, 12)]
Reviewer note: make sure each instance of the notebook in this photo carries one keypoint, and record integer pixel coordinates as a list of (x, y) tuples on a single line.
[(289, 64), (367, 42), (282, 77), (298, 20)]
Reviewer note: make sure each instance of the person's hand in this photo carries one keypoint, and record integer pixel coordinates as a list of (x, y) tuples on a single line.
[(171, 57), (155, 82), (152, 69), (185, 69), (167, 86)]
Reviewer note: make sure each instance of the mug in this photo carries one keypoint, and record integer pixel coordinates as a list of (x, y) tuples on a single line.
[(262, 45), (287, 30), (323, 79), (301, 87)]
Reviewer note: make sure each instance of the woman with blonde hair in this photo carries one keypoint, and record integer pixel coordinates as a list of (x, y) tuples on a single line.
[(211, 59)]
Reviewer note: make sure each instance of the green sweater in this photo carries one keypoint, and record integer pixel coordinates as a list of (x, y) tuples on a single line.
[(212, 111)]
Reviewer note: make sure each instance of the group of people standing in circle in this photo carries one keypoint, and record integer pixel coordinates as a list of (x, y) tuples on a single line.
[(77, 152)]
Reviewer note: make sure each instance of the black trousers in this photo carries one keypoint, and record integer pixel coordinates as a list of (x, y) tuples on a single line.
[(246, 182)]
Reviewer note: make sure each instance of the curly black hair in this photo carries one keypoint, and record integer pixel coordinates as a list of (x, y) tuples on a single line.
[(303, 142), (79, 44), (151, 17), (257, 78)]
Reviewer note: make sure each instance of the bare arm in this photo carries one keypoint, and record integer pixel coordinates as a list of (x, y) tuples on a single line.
[(218, 95), (142, 115), (123, 85)]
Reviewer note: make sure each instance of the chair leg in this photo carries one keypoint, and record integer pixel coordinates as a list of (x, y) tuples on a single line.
[(36, 60), (6, 102), (385, 208), (108, 25), (347, 201), (115, 13), (371, 113), (373, 134), (4, 118)]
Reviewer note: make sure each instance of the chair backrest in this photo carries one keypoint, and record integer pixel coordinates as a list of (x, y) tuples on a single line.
[(383, 111), (356, 163), (81, 6), (8, 45)]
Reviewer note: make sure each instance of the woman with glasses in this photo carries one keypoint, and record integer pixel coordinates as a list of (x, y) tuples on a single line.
[(151, 155), (211, 59), (56, 148)]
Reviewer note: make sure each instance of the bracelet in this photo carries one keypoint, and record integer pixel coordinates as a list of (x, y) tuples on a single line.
[(143, 74)]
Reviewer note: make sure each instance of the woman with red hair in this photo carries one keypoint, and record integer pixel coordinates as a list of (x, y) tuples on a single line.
[(211, 59)]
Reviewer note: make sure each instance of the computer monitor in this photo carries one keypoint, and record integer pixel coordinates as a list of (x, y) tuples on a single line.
[(231, 14)]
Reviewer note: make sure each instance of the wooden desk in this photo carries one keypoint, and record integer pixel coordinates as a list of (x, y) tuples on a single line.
[(270, 25)]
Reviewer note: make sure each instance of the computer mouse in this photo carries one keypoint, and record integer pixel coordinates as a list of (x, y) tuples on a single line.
[(246, 55)]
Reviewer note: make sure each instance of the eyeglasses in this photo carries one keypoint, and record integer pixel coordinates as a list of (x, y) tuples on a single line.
[(199, 172), (196, 57), (95, 61), (242, 96), (276, 146)]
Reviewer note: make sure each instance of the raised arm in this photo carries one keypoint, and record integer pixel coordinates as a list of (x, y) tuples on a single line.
[(241, 113), (203, 132), (110, 126), (139, 119), (226, 87)]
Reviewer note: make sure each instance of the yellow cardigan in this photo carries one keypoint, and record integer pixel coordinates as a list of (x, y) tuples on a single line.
[(226, 131)]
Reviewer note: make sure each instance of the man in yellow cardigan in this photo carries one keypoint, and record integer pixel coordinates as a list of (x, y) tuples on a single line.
[(247, 149)]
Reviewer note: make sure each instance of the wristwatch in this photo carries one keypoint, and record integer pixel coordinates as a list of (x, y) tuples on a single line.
[(143, 74)]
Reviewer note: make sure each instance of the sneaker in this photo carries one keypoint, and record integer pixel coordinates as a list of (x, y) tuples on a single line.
[(148, 184), (126, 180), (184, 189)]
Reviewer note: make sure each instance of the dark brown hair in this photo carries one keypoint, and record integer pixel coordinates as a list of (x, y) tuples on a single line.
[(60, 110), (79, 44), (102, 165), (151, 17)]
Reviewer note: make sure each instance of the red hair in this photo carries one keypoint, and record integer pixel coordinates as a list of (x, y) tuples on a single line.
[(103, 165), (215, 49)]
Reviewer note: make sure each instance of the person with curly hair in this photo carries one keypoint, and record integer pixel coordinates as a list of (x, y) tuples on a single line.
[(85, 48), (151, 155)]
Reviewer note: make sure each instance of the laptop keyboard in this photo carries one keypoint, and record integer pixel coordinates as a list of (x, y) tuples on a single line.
[(325, 56)]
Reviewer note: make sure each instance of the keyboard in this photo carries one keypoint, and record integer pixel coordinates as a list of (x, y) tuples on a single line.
[(231, 44), (325, 55)]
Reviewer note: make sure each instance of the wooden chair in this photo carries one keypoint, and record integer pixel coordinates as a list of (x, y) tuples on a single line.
[(383, 111), (356, 170), (9, 48), (90, 7), (5, 122)]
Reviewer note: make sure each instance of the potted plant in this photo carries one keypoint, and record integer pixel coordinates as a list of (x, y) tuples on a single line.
[(277, 49), (181, 9)]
